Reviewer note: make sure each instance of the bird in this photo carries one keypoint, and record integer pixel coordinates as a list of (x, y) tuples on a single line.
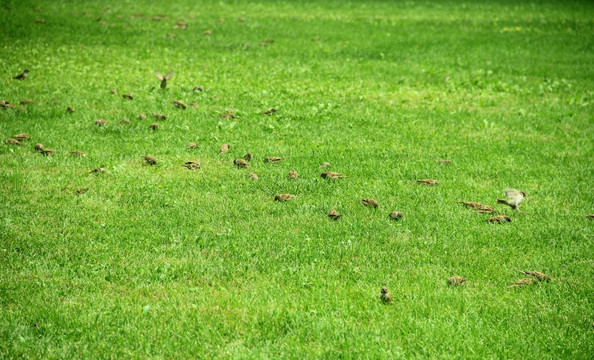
[(271, 111), (248, 156), (538, 275), (241, 163), (160, 116), (150, 160), (284, 197), (192, 145), (369, 202), (198, 88), (194, 105), (81, 191), (514, 198), (78, 153), (386, 297), (70, 109), (333, 214), (179, 104), (293, 174), (12, 141), (38, 147), (21, 137), (224, 148), (27, 102), (141, 116), (499, 219), (128, 96), (456, 280), (113, 91), (479, 207), (23, 75), (429, 182), (100, 122), (97, 171), (396, 215), (523, 282), (325, 164), (445, 162), (124, 121), (207, 32), (331, 175), (254, 176), (164, 79), (46, 151), (191, 165), (590, 216), (228, 115), (273, 159), (154, 126)]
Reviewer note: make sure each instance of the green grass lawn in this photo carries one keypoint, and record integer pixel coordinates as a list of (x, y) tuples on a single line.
[(163, 262)]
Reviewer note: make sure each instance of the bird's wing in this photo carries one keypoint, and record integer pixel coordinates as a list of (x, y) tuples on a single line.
[(168, 76), (159, 75), (512, 193)]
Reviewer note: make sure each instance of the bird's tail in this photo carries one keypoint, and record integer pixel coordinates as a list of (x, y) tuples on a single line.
[(499, 201)]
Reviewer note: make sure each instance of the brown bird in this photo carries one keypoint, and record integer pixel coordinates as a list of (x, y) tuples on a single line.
[(21, 137), (284, 197), (194, 105), (27, 102), (456, 280), (224, 148), (38, 147), (331, 175), (429, 182), (179, 104), (40, 21), (150, 160), (369, 202), (273, 159), (590, 216), (160, 116), (293, 175), (78, 153), (248, 156), (192, 145), (141, 116), (325, 164), (191, 165), (97, 171), (207, 32), (124, 121), (47, 152), (128, 96), (240, 19), (253, 176), (113, 91), (228, 115), (386, 297), (154, 126), (81, 191), (524, 282), (70, 109), (241, 163), (271, 111), (479, 207), (445, 162), (100, 122), (12, 141), (198, 88), (538, 275), (333, 214), (514, 198), (23, 75), (499, 219), (396, 215), (164, 79)]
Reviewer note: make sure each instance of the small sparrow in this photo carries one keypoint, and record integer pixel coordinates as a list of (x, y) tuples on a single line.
[(154, 126), (266, 42), (514, 198), (248, 156), (224, 148), (325, 164), (332, 175), (47, 152), (369, 202), (333, 214), (284, 197), (70, 109), (78, 153), (228, 115), (523, 282), (207, 32), (479, 207), (538, 275), (23, 75), (113, 91), (396, 215), (192, 145), (241, 163), (27, 102), (128, 96), (293, 175), (141, 116), (198, 88), (81, 191), (150, 160), (160, 116), (444, 162), (38, 147), (191, 165), (179, 104), (273, 159), (97, 171), (499, 219), (12, 141), (271, 111), (429, 182), (21, 137), (253, 176), (386, 297), (100, 122), (125, 121), (164, 79), (456, 280)]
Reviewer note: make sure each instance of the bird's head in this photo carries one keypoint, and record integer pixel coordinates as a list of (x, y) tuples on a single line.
[(384, 290)]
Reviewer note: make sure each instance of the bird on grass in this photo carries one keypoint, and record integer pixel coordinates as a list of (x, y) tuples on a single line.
[(514, 198), (192, 165), (160, 116), (97, 171), (590, 216), (386, 297), (70, 109), (332, 175), (124, 121), (395, 215), (38, 147), (100, 122), (254, 176), (284, 197), (537, 275), (333, 214), (47, 151), (479, 207), (524, 282), (273, 159), (78, 153), (150, 160), (27, 102), (499, 219), (369, 202), (23, 75), (456, 280), (164, 79), (325, 164), (154, 126), (248, 156), (141, 116), (241, 163), (192, 145), (179, 104), (271, 111), (21, 137), (224, 148), (293, 175), (128, 96), (12, 141), (428, 182)]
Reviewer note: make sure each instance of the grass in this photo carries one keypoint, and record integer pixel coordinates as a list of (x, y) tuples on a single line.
[(162, 262)]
